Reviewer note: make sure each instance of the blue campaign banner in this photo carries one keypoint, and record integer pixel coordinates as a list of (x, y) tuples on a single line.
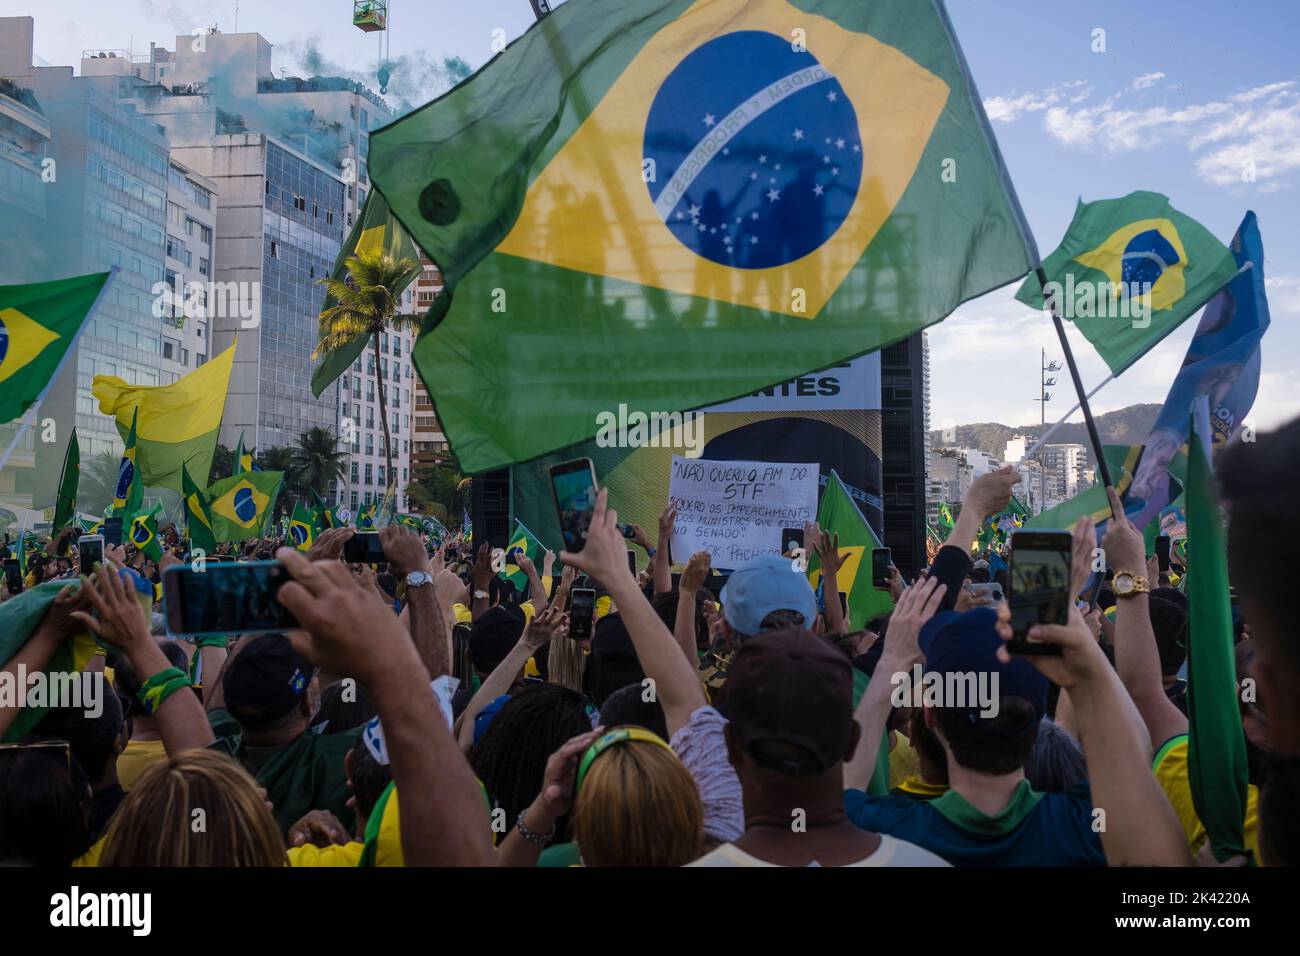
[(1222, 364)]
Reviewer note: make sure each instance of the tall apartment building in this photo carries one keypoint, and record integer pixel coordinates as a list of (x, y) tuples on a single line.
[(191, 245), (107, 193), (1065, 468), (288, 157), (429, 445), (948, 476)]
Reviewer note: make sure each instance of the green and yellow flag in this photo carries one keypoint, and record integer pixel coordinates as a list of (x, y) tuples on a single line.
[(366, 517), (376, 230), (302, 527), (130, 489), (1217, 771), (1129, 271), (837, 514), (65, 508), (19, 618), (178, 423), (671, 181), (198, 523), (523, 540), (242, 460), (38, 324), (143, 533), (239, 506)]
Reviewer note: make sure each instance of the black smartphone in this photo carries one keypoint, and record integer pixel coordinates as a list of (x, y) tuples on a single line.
[(627, 531), (844, 604), (364, 547), (582, 613), (512, 556), (881, 562), (631, 561), (791, 538), (1162, 553), (574, 485), (1040, 586), (226, 599), (112, 532), (13, 575), (90, 552)]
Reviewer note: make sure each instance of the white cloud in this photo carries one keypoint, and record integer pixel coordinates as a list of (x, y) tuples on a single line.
[(1147, 80), (1283, 294), (1006, 109), (1249, 137)]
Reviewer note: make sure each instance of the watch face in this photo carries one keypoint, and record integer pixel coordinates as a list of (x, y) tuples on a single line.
[(1123, 583)]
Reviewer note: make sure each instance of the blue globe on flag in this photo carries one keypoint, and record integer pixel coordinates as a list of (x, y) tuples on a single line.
[(140, 534), (244, 505), (756, 151), (125, 472), (4, 342), (298, 534), (1146, 257)]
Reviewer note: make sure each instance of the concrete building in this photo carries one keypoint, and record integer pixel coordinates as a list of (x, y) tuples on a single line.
[(1065, 467), (429, 445), (191, 244), (107, 191), (288, 157), (948, 477)]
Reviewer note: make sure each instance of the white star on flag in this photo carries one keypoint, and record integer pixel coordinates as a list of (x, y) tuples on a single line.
[(835, 170), (708, 119), (818, 189), (832, 96), (763, 158), (773, 195), (839, 143), (798, 134)]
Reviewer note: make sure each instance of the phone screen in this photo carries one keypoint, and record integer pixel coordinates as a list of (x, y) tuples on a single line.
[(13, 576), (364, 547), (226, 598), (1162, 553), (582, 612), (112, 532), (90, 551), (1040, 586), (574, 486), (631, 561), (881, 562), (791, 538)]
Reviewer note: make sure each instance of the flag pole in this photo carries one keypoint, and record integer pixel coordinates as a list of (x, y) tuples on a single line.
[(1102, 468)]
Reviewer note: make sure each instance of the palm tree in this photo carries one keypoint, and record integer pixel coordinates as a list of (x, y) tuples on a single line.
[(367, 305), (276, 458), (223, 464), (317, 461)]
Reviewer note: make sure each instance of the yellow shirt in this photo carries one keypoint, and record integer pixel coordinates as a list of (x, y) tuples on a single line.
[(349, 854), (137, 757), (1170, 766), (91, 856)]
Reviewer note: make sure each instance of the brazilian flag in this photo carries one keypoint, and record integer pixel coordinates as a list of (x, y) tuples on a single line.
[(946, 519), (366, 517), (669, 181), (240, 505), (130, 489), (324, 516), (243, 460), (376, 231), (38, 324), (1129, 271), (838, 514), (143, 534), (65, 507), (523, 540), (198, 523), (302, 527), (89, 524)]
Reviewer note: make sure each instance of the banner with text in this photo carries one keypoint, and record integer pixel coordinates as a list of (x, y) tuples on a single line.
[(735, 510)]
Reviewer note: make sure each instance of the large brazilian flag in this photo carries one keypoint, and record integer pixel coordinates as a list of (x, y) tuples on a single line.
[(38, 324), (240, 506), (673, 203), (178, 423), (1143, 252)]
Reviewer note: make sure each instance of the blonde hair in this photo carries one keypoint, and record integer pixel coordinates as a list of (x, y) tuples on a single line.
[(565, 663), (638, 806), (158, 824)]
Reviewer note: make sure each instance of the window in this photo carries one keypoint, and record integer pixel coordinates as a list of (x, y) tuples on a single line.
[(169, 349), (300, 203), (370, 477), (275, 249), (353, 500), (381, 477), (189, 226), (205, 267), (205, 234), (355, 472), (370, 448), (185, 357)]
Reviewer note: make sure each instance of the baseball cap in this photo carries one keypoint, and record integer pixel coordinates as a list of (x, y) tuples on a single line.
[(493, 635), (265, 681), (766, 584), (790, 701), (967, 643)]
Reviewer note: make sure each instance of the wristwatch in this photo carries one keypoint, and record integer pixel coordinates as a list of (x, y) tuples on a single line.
[(1128, 584), (418, 579), (480, 595)]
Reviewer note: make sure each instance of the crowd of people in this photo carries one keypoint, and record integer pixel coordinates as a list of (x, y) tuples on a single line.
[(747, 727)]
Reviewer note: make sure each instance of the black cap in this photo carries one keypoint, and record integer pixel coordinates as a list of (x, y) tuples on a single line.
[(265, 681)]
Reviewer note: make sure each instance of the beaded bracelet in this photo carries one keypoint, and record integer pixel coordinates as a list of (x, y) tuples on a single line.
[(159, 687), (532, 836)]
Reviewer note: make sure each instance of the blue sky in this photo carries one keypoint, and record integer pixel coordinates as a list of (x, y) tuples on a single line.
[(1183, 96)]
